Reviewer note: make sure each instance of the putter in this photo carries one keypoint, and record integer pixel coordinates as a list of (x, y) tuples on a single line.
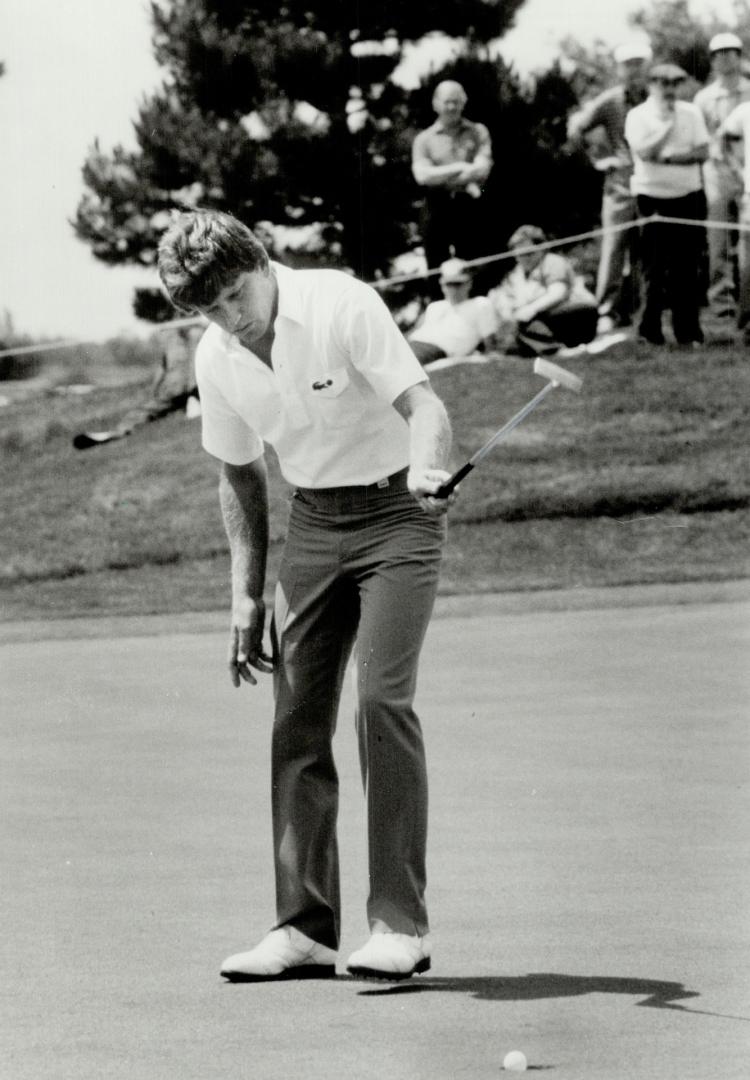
[(556, 376)]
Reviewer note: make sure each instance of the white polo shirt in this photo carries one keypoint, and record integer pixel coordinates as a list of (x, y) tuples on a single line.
[(457, 328), (654, 178), (325, 405)]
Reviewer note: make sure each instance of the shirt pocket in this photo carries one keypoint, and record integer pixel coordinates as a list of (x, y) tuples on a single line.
[(335, 398)]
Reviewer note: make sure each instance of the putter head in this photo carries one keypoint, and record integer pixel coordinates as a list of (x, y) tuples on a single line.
[(555, 374)]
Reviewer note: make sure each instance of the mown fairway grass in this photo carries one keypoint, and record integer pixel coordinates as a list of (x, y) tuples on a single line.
[(642, 478)]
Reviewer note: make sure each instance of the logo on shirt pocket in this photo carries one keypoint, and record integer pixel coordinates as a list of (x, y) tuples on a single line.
[(336, 399)]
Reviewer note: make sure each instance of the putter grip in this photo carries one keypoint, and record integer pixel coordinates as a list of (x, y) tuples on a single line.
[(444, 491)]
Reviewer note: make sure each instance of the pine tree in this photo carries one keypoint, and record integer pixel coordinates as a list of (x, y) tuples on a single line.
[(285, 113), (290, 114)]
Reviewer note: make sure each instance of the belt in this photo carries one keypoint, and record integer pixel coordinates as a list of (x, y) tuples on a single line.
[(395, 482)]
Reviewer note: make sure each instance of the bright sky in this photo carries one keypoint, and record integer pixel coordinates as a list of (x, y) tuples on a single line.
[(76, 70)]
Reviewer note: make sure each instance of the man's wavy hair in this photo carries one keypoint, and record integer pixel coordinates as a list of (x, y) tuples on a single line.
[(202, 252)]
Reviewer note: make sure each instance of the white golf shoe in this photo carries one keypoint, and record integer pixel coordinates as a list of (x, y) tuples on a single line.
[(285, 953), (390, 956)]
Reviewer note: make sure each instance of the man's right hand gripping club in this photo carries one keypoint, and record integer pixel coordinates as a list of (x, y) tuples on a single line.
[(246, 642)]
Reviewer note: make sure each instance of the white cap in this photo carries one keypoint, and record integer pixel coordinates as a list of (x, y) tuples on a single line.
[(724, 41), (632, 50), (454, 272)]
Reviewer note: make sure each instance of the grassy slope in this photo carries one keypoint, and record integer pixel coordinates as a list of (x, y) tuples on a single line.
[(644, 477)]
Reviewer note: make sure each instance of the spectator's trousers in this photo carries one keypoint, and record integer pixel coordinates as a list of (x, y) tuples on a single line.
[(452, 226), (360, 563), (743, 258), (617, 279), (723, 199), (671, 261)]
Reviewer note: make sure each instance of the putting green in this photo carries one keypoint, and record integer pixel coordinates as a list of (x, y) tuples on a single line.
[(588, 858)]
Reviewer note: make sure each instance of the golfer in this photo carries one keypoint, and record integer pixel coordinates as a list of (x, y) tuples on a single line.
[(311, 362)]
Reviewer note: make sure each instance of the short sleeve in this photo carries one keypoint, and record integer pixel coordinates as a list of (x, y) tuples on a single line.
[(373, 343), (225, 435), (555, 268)]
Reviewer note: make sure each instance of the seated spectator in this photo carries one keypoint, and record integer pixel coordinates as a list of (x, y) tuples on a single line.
[(545, 304), (173, 389), (459, 324)]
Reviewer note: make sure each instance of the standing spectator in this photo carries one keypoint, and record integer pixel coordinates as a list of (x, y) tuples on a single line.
[(616, 289), (722, 173), (451, 160), (737, 127), (458, 324), (669, 142)]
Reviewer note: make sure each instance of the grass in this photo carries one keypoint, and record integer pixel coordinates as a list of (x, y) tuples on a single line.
[(641, 478)]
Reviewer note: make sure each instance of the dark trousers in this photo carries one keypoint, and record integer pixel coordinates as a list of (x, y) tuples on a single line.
[(550, 331), (671, 258), (359, 563)]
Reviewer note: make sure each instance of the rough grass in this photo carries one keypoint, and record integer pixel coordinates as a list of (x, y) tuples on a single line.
[(643, 477)]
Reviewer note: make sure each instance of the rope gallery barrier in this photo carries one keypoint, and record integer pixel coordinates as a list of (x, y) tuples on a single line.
[(422, 275)]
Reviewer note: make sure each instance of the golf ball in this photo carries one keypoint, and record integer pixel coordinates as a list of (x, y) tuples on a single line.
[(515, 1061)]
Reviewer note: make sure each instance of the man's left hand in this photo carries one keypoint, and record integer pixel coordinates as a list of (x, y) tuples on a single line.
[(423, 483)]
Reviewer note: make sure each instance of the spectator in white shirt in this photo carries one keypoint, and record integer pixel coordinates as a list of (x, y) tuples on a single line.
[(458, 325), (722, 172), (669, 143)]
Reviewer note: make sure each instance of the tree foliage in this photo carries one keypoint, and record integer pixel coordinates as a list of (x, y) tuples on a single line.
[(291, 114)]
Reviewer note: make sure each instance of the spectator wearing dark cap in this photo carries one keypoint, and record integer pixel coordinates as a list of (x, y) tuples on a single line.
[(722, 172), (554, 309), (604, 116), (669, 142), (459, 324)]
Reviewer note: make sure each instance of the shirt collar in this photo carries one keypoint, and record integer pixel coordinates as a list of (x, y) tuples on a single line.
[(440, 127), (290, 300)]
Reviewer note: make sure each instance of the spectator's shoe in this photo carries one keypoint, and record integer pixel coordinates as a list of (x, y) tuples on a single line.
[(390, 956), (607, 341), (285, 953)]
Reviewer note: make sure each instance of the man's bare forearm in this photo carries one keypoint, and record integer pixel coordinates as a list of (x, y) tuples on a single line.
[(243, 496), (430, 433)]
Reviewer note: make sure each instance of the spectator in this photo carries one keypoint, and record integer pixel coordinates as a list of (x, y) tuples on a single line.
[(173, 389), (451, 160), (549, 307), (669, 142), (722, 173), (617, 279), (736, 127), (459, 324)]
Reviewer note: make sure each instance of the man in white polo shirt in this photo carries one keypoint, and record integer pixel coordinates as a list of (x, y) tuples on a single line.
[(457, 325), (311, 362), (722, 170), (669, 143)]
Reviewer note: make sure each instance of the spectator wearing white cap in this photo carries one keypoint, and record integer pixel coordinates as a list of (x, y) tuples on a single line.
[(616, 289), (669, 142), (459, 324), (722, 172)]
